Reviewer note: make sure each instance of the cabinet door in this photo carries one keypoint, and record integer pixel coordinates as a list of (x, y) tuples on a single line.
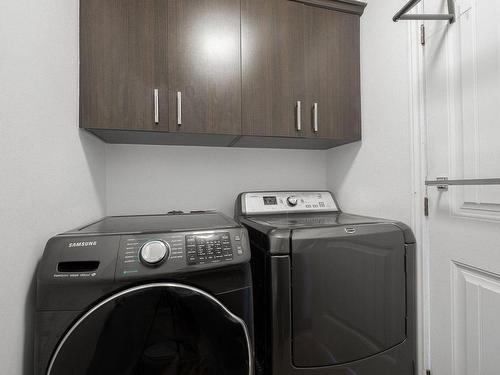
[(122, 60), (204, 66), (273, 47), (333, 73)]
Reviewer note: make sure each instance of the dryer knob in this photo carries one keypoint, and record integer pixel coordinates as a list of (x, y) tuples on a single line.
[(292, 201), (154, 252)]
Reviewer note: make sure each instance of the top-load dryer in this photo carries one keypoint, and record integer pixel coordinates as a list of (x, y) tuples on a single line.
[(334, 293)]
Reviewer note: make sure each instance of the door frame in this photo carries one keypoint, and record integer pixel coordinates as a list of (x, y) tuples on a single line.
[(418, 159)]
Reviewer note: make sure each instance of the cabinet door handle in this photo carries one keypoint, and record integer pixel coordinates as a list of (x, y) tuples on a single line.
[(179, 108), (315, 117), (298, 115), (157, 106)]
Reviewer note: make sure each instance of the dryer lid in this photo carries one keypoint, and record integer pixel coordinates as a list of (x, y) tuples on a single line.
[(310, 220)]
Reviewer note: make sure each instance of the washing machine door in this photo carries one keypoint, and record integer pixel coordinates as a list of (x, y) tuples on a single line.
[(348, 293), (165, 328)]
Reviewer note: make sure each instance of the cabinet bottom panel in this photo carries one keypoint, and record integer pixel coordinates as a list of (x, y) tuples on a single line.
[(217, 140), (291, 142), (163, 138)]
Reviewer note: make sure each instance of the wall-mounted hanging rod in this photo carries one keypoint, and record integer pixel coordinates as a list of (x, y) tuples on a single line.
[(442, 183), (402, 14)]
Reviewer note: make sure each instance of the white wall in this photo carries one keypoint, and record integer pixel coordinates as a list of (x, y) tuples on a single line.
[(374, 177), (155, 179), (52, 175)]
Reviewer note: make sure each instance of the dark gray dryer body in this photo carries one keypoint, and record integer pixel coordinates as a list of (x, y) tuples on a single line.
[(334, 293), (156, 295)]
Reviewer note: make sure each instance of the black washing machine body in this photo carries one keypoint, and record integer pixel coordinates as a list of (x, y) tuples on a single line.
[(159, 294), (334, 293)]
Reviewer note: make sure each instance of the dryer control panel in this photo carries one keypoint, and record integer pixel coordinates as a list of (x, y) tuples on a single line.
[(280, 202), (164, 253)]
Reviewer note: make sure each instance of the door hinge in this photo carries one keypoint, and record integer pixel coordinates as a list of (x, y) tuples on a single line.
[(427, 372), (422, 34), (426, 206)]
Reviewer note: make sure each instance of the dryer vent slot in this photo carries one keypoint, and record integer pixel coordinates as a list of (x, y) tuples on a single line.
[(80, 266)]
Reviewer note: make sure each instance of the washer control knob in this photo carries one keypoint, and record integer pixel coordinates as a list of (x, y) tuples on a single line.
[(154, 252), (292, 201)]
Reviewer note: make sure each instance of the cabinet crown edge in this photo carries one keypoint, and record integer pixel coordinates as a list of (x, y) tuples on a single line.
[(346, 6)]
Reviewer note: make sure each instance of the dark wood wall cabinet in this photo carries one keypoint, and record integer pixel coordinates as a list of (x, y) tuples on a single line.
[(244, 73)]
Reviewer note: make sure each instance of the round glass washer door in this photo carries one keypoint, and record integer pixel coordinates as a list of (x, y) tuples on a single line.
[(156, 329)]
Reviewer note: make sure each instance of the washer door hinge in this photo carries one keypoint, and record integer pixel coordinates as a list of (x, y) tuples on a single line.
[(427, 372), (422, 34), (426, 206)]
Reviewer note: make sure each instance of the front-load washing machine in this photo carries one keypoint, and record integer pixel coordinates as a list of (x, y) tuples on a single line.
[(334, 293), (133, 295)]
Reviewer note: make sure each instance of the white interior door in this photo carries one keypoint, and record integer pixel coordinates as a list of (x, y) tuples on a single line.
[(462, 113)]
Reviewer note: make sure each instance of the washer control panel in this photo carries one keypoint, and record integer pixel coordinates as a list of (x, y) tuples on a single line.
[(159, 254), (287, 202), (208, 248)]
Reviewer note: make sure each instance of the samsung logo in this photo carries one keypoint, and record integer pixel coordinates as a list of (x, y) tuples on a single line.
[(82, 244)]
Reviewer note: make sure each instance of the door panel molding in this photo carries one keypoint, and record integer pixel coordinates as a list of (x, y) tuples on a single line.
[(476, 300), (468, 124)]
